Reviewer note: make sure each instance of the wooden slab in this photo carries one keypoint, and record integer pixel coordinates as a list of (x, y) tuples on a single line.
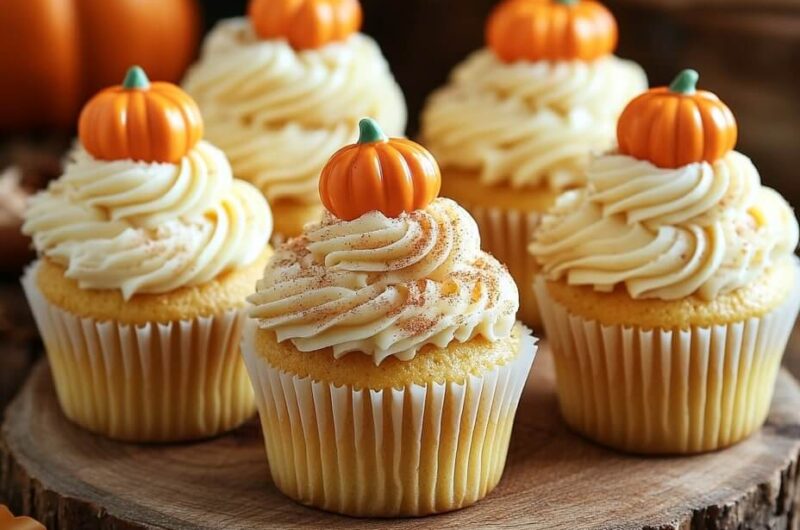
[(68, 478)]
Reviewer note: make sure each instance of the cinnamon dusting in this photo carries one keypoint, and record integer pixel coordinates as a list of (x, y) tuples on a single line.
[(423, 271)]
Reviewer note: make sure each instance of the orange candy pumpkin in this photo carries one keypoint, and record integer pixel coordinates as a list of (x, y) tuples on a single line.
[(149, 122), (55, 54), (305, 23), (9, 522), (551, 30), (677, 125), (392, 175)]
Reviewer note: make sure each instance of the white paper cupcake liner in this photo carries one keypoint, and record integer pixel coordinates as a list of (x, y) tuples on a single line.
[(407, 451), (506, 235), (666, 390), (161, 381)]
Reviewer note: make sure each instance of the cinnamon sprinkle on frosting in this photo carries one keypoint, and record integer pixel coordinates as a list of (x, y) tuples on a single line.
[(386, 286)]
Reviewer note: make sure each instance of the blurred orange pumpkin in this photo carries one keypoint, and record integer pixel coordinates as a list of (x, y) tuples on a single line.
[(140, 120), (305, 23), (9, 522), (54, 54), (551, 30), (391, 175), (677, 125)]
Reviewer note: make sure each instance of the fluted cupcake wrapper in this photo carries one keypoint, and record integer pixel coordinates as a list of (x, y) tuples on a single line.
[(408, 451), (506, 234), (161, 381), (666, 391)]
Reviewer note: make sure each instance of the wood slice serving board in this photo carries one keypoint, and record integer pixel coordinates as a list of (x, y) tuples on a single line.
[(68, 478)]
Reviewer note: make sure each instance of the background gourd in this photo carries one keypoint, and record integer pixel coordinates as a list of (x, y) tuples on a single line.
[(54, 54)]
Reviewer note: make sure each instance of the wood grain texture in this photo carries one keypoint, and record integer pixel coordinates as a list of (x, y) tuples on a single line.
[(746, 52), (68, 478)]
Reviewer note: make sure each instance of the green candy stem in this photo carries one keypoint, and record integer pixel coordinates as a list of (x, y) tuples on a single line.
[(567, 2), (135, 79), (685, 82), (369, 131)]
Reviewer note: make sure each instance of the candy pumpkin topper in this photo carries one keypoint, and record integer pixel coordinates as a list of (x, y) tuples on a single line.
[(305, 24), (144, 121), (391, 175), (677, 125), (551, 30), (9, 522)]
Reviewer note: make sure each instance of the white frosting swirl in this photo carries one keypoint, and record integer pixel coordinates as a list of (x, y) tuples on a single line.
[(149, 227), (386, 286), (528, 123), (666, 233), (279, 114)]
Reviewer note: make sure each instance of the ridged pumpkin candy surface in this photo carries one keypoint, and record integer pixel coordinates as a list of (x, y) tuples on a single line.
[(551, 30), (391, 175), (677, 125), (305, 24), (140, 120)]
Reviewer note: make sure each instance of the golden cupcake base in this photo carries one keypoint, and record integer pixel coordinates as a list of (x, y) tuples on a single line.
[(667, 390), (156, 381), (691, 402), (404, 450), (139, 392)]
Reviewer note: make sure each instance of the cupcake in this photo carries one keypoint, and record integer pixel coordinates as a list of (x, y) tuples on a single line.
[(147, 248), (668, 283), (284, 88), (519, 119), (383, 347)]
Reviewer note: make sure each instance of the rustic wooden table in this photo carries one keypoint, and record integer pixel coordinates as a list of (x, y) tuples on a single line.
[(69, 478)]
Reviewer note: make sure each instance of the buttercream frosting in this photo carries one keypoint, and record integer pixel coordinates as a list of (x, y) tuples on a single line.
[(386, 286), (279, 114), (528, 123), (701, 229), (149, 227)]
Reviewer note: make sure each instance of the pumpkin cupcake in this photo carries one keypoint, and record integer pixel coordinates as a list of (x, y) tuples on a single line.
[(384, 352), (284, 88), (519, 119), (148, 247), (668, 283)]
